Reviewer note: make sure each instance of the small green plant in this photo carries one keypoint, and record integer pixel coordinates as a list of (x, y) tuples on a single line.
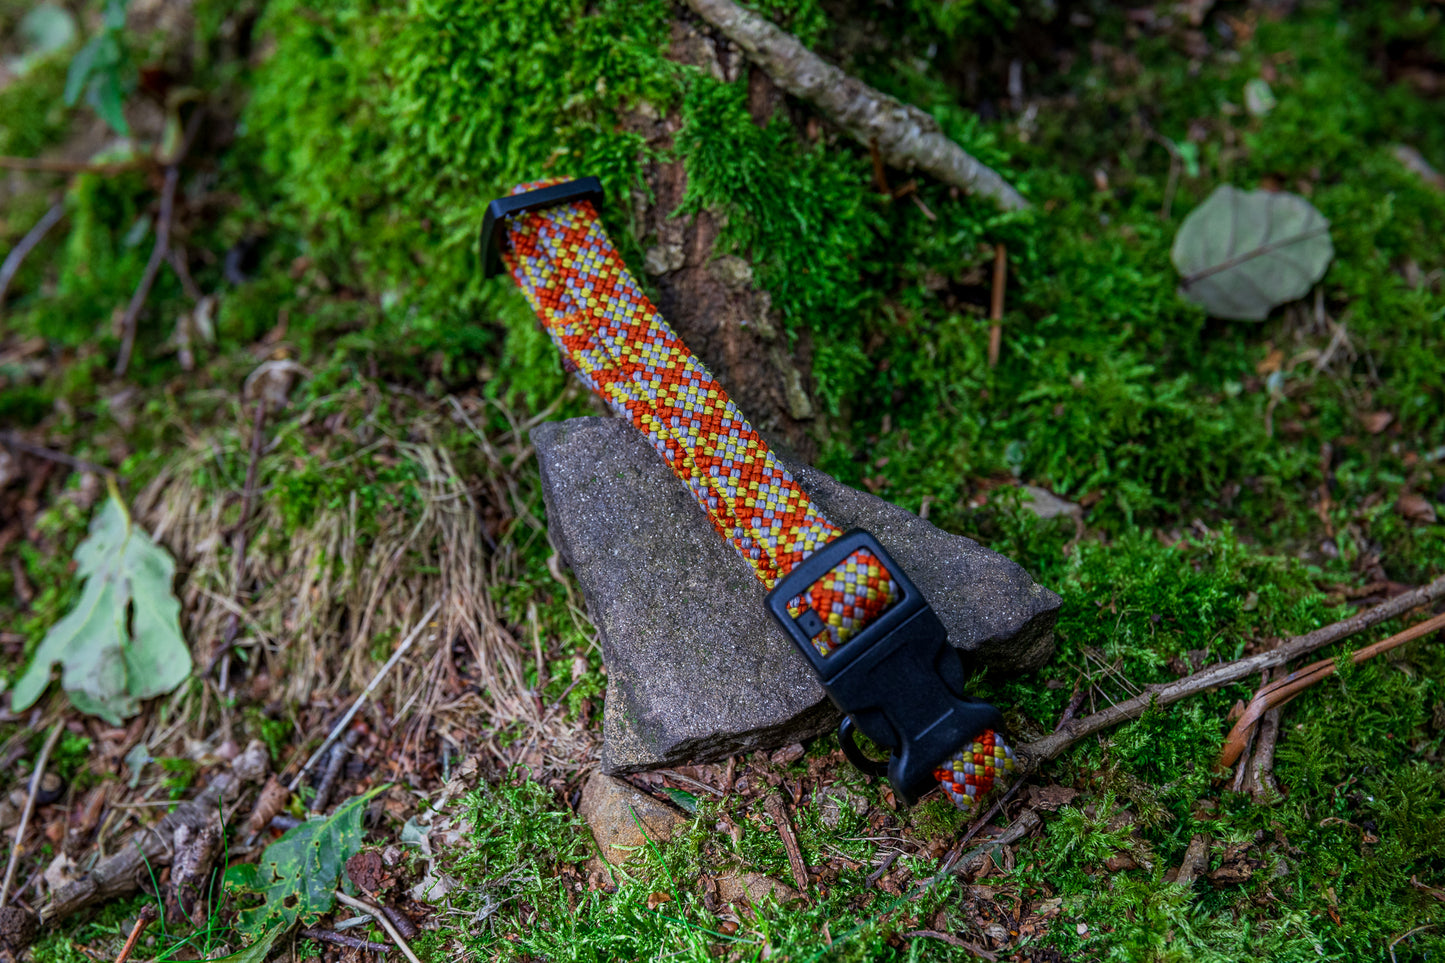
[(101, 69), (297, 875), (122, 642)]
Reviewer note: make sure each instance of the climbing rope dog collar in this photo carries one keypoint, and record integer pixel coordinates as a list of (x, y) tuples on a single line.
[(878, 648)]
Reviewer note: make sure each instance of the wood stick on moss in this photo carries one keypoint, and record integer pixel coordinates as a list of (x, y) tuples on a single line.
[(1283, 690), (148, 276), (905, 136), (995, 312), (1034, 753), (28, 243)]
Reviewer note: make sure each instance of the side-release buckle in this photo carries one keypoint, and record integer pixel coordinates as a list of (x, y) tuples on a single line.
[(898, 680), (582, 189)]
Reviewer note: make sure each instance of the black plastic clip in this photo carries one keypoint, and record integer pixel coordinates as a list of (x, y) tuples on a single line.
[(899, 681), (490, 242)]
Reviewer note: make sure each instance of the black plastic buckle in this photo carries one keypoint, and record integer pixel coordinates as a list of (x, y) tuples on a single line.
[(583, 188), (898, 680)]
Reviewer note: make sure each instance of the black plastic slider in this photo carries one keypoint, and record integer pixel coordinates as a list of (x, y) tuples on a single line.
[(490, 242), (898, 680)]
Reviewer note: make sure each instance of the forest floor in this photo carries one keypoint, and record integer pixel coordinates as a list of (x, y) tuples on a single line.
[(324, 420)]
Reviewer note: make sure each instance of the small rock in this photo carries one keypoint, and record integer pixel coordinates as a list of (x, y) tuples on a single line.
[(18, 928), (834, 801), (613, 809), (697, 669), (753, 887), (1045, 504)]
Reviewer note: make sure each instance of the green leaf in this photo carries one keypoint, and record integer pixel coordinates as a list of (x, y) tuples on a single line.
[(122, 642), (297, 874), (257, 951), (686, 800), (1243, 254), (46, 28)]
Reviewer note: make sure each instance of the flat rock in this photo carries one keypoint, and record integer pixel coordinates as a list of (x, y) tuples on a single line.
[(697, 670), (623, 818)]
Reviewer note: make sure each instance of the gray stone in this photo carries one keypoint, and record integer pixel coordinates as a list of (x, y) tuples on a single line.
[(696, 668)]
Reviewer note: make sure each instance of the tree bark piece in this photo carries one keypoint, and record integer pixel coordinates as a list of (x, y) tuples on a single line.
[(148, 850), (906, 136), (1032, 754)]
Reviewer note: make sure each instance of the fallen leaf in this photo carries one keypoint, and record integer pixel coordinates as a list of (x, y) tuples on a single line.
[(122, 642), (1415, 507), (1052, 797), (1242, 254), (1376, 421)]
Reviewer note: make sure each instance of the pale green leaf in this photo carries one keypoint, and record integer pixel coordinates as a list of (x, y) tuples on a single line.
[(257, 951), (1242, 254), (298, 873), (122, 642)]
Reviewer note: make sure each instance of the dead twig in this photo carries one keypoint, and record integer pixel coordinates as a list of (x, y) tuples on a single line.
[(995, 311), (377, 914), (1034, 753), (952, 940), (35, 777), (779, 812), (146, 916), (28, 243), (339, 752), (51, 166), (1027, 822), (341, 939), (1281, 691), (905, 136), (158, 254), (345, 720), (11, 440)]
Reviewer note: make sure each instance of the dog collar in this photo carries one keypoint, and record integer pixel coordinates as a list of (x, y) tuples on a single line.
[(879, 650)]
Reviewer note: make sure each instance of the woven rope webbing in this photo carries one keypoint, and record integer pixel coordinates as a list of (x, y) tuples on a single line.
[(613, 338)]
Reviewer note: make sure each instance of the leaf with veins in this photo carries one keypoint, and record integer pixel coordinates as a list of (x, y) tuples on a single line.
[(122, 642)]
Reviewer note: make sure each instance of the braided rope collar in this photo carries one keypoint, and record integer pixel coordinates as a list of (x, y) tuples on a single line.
[(616, 342)]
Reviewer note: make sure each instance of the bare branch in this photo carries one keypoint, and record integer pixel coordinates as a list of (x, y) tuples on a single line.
[(905, 136), (1042, 750)]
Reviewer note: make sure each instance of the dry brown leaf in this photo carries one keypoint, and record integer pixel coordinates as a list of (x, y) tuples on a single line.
[(1376, 421), (1415, 507)]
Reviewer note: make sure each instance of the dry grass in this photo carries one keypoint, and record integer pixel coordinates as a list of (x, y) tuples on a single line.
[(322, 605)]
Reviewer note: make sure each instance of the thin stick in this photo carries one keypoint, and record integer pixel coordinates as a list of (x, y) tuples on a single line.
[(995, 311), (340, 726), (35, 778), (158, 254), (1279, 692), (906, 136), (65, 167), (28, 243), (386, 924), (144, 919), (952, 940), (11, 440), (1042, 750), (341, 939)]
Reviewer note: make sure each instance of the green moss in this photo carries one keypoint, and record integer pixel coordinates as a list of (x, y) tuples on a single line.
[(33, 114)]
